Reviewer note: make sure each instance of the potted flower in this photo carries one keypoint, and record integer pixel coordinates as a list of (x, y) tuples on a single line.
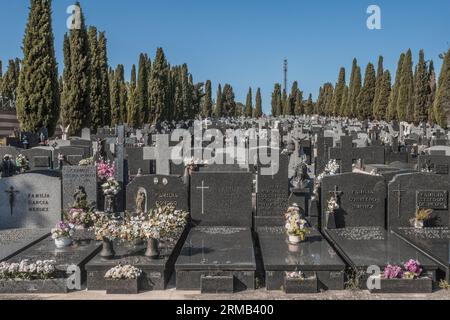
[(296, 227), (106, 230), (110, 189), (421, 216), (123, 280), (105, 170), (80, 218), (31, 277), (404, 279), (22, 163), (299, 282), (164, 222), (62, 234)]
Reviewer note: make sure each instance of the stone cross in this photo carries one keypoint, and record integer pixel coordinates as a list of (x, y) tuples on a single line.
[(345, 154), (336, 193), (399, 198), (11, 195), (203, 188)]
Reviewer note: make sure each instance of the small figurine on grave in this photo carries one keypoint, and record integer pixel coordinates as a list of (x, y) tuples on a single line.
[(301, 179), (61, 159), (7, 166), (140, 202), (80, 198)]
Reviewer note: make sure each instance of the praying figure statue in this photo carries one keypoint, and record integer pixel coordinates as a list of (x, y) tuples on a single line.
[(140, 202)]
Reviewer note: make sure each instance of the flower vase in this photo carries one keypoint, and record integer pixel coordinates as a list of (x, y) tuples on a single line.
[(296, 239), (61, 243), (110, 203), (107, 250), (418, 224), (152, 249)]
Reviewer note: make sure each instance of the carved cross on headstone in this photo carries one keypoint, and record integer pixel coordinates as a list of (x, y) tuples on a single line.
[(399, 198), (336, 192), (345, 154), (203, 188), (12, 197)]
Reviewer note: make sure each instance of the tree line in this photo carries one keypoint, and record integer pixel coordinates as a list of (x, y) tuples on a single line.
[(90, 93)]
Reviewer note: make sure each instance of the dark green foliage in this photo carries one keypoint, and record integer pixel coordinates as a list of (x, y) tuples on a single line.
[(142, 95), (159, 88), (228, 103), (422, 90), (218, 111), (132, 107), (393, 99), (276, 100), (298, 105), (367, 94), (442, 101), (380, 75), (249, 104), (382, 104), (258, 106), (38, 98), (432, 96), (309, 106), (339, 94), (10, 81), (207, 101), (405, 103)]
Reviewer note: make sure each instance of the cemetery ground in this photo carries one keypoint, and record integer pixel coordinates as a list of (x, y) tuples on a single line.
[(111, 214)]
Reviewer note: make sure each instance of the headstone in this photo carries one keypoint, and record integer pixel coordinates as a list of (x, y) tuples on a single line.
[(74, 177), (221, 198), (38, 158), (30, 200), (149, 191)]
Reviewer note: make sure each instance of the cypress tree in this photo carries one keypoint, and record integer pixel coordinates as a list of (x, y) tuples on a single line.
[(309, 105), (405, 109), (75, 99), (442, 101), (422, 90), (382, 103), (10, 82), (338, 95), (95, 92), (319, 103), (132, 107), (123, 93), (197, 97), (141, 96), (115, 99), (293, 98), (249, 104), (207, 102), (355, 93), (187, 94), (432, 95), (298, 106), (379, 84), (393, 99), (229, 105), (105, 98), (219, 104), (347, 109), (342, 110), (38, 99), (258, 106), (367, 95), (159, 87), (328, 99), (276, 100), (1, 70)]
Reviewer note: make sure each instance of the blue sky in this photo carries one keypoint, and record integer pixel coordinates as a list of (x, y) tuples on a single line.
[(244, 42)]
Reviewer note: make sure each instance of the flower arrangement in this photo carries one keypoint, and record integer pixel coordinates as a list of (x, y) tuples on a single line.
[(331, 169), (412, 270), (80, 217), (296, 275), (62, 230), (25, 270), (106, 228), (131, 228), (420, 217), (111, 187), (105, 170), (332, 205), (296, 227), (86, 162), (164, 222), (191, 164), (123, 272), (22, 163)]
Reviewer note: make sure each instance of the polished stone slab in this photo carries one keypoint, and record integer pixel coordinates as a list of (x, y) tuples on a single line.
[(15, 240), (217, 251), (313, 255)]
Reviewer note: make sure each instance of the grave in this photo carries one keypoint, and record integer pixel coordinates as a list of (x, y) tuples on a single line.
[(31, 200), (438, 164), (221, 246), (407, 193), (74, 177), (39, 158), (357, 229), (157, 190), (13, 241)]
